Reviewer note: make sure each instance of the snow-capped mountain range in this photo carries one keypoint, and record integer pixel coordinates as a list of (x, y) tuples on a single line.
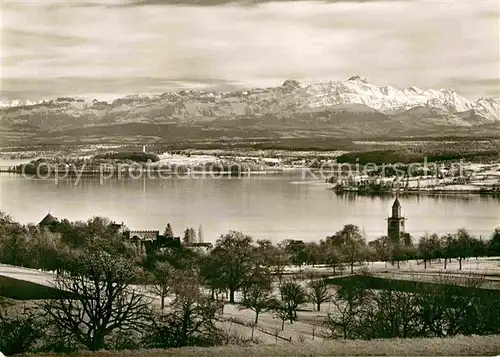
[(355, 102)]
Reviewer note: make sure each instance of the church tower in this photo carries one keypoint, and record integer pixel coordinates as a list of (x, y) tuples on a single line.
[(396, 223)]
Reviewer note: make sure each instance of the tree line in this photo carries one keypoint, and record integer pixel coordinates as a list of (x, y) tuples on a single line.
[(49, 249)]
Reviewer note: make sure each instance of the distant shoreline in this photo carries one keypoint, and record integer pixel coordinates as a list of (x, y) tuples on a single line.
[(153, 173), (430, 192)]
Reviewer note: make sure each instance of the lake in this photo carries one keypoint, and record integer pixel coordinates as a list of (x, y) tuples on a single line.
[(276, 207)]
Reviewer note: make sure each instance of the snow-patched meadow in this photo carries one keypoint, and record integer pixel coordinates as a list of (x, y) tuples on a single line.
[(308, 328)]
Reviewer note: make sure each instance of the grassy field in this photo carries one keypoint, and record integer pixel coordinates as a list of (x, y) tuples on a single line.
[(308, 331), (456, 346)]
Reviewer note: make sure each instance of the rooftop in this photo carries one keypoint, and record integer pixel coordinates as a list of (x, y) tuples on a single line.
[(48, 220)]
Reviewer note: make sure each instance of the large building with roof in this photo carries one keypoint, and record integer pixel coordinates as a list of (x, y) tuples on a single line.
[(48, 221), (149, 239)]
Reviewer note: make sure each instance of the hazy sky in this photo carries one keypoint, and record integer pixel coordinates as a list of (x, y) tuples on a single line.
[(110, 48)]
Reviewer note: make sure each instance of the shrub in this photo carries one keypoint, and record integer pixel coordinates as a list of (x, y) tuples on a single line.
[(20, 329)]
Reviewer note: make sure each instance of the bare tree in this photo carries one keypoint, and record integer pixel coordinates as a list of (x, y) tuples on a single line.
[(395, 315), (351, 302), (318, 291), (292, 296), (383, 248), (190, 320), (334, 258), (279, 263), (354, 245), (280, 310), (276, 333), (189, 236), (234, 256), (162, 281), (350, 243), (446, 247), (461, 246), (257, 299), (428, 248), (96, 299)]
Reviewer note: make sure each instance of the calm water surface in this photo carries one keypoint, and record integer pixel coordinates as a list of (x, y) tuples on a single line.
[(276, 207)]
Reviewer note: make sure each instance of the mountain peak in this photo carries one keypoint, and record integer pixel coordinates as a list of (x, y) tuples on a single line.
[(357, 77), (354, 96), (292, 83), (337, 108)]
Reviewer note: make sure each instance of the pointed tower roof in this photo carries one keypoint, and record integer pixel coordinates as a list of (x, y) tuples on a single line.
[(48, 220), (396, 209)]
